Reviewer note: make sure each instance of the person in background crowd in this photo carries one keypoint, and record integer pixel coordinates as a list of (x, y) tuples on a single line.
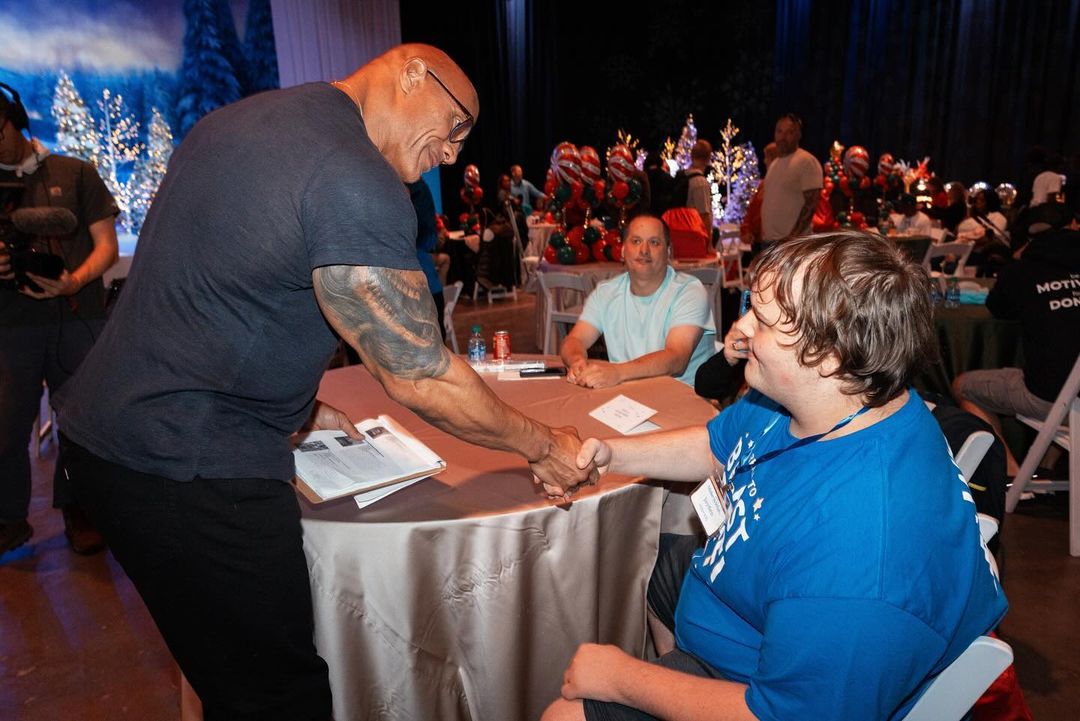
[(655, 321), (792, 185), (1049, 181), (660, 184), (908, 219), (985, 228), (750, 230), (46, 329), (955, 209), (1040, 290), (839, 527), (178, 439), (698, 190), (939, 198), (525, 191)]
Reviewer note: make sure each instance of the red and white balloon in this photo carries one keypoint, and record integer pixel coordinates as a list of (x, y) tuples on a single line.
[(856, 161), (590, 164), (566, 163), (620, 163)]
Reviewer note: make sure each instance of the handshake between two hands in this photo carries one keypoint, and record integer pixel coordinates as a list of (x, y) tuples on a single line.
[(570, 464)]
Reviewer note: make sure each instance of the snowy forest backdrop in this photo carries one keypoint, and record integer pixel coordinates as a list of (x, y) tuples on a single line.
[(120, 82)]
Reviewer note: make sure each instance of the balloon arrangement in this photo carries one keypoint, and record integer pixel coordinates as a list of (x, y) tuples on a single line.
[(625, 190), (564, 185), (471, 194), (595, 187), (889, 177), (846, 172), (582, 245)]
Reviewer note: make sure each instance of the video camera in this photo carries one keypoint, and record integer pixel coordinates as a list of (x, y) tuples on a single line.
[(21, 228)]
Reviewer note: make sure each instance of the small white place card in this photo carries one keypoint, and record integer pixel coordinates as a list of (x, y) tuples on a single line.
[(623, 414)]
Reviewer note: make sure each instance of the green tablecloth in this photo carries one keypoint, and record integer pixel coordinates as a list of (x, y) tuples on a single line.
[(970, 339)]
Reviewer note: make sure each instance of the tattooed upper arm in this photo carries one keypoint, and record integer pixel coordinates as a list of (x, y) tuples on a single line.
[(388, 314)]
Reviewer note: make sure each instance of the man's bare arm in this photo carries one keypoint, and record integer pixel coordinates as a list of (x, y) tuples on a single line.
[(810, 203), (389, 317)]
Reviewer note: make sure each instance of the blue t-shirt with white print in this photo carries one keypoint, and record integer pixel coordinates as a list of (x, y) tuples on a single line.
[(850, 571)]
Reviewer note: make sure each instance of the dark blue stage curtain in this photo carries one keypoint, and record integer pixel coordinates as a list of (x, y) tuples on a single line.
[(971, 83)]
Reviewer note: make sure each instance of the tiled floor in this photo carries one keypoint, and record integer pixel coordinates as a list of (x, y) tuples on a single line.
[(77, 643)]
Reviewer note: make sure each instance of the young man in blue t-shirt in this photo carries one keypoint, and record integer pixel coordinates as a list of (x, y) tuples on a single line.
[(846, 568)]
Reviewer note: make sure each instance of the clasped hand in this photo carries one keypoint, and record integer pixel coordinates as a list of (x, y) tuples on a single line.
[(594, 374)]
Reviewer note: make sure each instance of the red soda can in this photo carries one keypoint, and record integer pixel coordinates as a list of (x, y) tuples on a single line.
[(500, 345)]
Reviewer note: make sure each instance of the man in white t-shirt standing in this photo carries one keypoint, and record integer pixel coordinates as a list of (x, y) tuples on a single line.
[(792, 185)]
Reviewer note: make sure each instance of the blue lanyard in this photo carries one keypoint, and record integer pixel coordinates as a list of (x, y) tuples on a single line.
[(802, 441)]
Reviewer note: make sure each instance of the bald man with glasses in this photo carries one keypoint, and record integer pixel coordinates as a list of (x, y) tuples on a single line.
[(255, 253)]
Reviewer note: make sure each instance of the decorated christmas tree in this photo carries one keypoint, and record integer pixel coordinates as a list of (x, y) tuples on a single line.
[(259, 49), (686, 142), (735, 175), (75, 132), (119, 147), (207, 76), (150, 169)]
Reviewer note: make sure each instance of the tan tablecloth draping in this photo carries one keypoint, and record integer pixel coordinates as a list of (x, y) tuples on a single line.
[(465, 595), (538, 238)]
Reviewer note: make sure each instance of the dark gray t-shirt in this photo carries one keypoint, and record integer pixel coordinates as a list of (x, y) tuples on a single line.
[(61, 182), (214, 352)]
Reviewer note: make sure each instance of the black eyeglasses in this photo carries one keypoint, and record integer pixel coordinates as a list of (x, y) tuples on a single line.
[(461, 130)]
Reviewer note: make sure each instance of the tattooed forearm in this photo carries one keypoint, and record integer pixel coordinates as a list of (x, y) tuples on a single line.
[(388, 314)]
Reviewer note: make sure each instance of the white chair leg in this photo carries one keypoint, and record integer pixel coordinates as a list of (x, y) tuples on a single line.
[(547, 332), (1074, 478)]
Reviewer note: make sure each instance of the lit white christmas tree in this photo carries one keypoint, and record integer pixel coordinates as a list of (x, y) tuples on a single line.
[(120, 147), (686, 142), (75, 132), (150, 169), (735, 177)]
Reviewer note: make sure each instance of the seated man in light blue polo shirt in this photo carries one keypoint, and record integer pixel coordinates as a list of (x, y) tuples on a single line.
[(655, 322)]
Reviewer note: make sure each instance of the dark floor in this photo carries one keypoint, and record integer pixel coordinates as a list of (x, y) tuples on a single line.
[(77, 643)]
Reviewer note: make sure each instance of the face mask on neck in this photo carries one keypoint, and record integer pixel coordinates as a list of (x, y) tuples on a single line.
[(31, 162)]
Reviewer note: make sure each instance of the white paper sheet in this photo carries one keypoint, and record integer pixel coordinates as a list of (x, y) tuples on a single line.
[(623, 414)]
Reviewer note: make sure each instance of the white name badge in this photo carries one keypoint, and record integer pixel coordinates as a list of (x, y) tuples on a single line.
[(711, 505)]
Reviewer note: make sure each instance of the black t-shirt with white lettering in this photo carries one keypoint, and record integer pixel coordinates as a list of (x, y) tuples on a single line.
[(214, 352), (1042, 291)]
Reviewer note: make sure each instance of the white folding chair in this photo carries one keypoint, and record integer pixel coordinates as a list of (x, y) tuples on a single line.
[(956, 689), (555, 288), (1052, 430), (711, 278), (971, 453), (960, 250), (451, 293)]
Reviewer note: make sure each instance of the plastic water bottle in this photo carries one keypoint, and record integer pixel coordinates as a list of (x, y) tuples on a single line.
[(477, 347), (952, 293), (935, 292)]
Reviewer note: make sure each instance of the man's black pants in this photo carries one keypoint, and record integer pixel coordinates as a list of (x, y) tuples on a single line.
[(220, 566)]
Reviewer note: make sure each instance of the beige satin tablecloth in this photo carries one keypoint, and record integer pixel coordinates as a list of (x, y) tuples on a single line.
[(466, 595)]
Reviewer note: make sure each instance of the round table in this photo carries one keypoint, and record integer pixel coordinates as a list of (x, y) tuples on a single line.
[(465, 595)]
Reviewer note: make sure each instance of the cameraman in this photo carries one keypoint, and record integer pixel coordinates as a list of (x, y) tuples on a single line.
[(45, 334)]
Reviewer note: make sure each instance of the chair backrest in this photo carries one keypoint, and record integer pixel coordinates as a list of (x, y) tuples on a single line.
[(956, 689), (451, 293), (971, 453), (711, 278), (960, 250), (550, 282)]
